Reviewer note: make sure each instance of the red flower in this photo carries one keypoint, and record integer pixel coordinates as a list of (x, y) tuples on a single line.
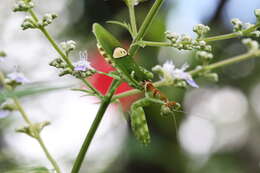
[(102, 82)]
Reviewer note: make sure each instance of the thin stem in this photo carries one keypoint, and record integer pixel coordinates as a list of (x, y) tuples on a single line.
[(21, 110), (231, 35), (131, 9), (236, 59), (145, 25), (154, 44), (56, 47), (38, 137), (239, 58), (207, 39), (103, 107), (48, 155), (62, 54)]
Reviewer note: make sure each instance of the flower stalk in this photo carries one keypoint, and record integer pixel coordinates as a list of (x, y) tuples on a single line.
[(145, 25), (31, 125), (63, 55), (101, 111)]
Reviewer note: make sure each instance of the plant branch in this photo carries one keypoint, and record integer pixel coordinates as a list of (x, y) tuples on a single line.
[(47, 153), (145, 25), (207, 39), (101, 111), (30, 123), (38, 137), (231, 35), (236, 59), (62, 54), (131, 9)]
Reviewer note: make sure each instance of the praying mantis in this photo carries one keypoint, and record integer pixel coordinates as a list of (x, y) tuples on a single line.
[(137, 77)]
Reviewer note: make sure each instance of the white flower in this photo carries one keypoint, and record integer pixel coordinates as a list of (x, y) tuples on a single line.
[(18, 77), (83, 64), (177, 73)]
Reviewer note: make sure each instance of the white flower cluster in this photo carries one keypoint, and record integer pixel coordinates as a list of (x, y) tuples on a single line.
[(47, 19), (201, 29), (252, 45), (185, 42), (204, 56), (58, 63), (28, 23), (23, 5), (239, 26), (68, 46), (81, 68), (169, 72)]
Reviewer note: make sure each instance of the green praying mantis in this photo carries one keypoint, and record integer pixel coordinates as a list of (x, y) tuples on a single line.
[(137, 77)]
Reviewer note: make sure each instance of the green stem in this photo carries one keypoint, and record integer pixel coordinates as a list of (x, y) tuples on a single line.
[(47, 153), (62, 54), (208, 39), (103, 107), (154, 44), (232, 35), (145, 25), (21, 110), (131, 8), (38, 138), (236, 59), (239, 58)]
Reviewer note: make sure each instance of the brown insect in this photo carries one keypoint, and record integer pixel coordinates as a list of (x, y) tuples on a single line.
[(157, 93)]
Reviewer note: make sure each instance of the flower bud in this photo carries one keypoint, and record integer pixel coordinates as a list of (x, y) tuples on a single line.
[(23, 6), (204, 56), (237, 24), (212, 77), (68, 46), (28, 23), (257, 14), (48, 19), (200, 29), (252, 45)]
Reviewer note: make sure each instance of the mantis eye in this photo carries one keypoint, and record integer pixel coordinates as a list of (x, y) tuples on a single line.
[(119, 52)]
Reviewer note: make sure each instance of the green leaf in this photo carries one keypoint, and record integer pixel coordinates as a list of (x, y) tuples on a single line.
[(123, 25)]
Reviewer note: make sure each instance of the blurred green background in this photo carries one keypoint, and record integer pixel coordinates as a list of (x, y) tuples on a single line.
[(219, 131)]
